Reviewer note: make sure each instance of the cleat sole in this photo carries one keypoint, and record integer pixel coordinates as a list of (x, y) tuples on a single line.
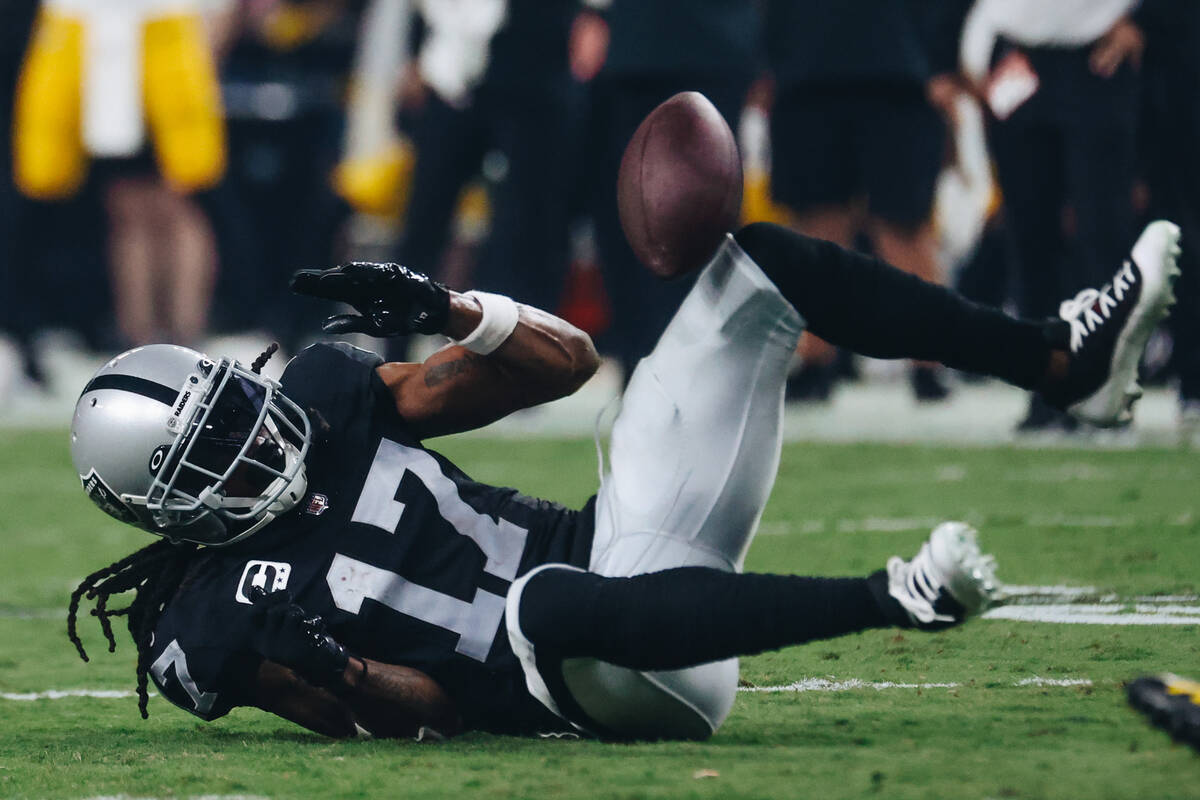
[(1110, 406)]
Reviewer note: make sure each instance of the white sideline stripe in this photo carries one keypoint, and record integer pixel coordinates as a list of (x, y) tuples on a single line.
[(828, 685), (1082, 614), (60, 694)]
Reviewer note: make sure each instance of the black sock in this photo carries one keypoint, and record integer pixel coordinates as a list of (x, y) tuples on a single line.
[(692, 615), (872, 308)]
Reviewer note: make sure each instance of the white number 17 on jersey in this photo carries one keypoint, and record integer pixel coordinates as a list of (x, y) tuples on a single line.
[(351, 581)]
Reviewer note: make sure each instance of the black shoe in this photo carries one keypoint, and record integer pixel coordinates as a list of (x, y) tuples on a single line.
[(1045, 418), (927, 385), (812, 383), (1106, 330)]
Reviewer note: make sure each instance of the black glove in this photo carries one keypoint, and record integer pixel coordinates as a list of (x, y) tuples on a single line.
[(287, 635), (391, 299)]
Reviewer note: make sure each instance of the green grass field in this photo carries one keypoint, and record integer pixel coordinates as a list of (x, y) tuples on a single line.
[(1125, 523)]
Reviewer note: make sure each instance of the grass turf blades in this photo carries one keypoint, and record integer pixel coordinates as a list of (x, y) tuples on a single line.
[(1126, 523)]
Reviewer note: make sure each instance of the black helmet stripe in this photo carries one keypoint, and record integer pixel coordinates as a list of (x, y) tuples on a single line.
[(131, 383)]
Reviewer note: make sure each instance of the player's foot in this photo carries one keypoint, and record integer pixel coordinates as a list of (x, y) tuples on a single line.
[(928, 385), (1043, 418), (948, 580), (812, 383), (1108, 329)]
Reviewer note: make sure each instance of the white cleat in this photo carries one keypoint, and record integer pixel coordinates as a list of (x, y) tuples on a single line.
[(1109, 328), (948, 580)]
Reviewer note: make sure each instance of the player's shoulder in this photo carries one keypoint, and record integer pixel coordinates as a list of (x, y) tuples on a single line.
[(329, 359), (338, 381)]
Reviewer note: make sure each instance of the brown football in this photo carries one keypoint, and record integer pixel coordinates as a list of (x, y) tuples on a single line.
[(680, 186)]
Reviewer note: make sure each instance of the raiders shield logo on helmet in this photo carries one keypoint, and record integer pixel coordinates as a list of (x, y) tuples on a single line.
[(106, 498)]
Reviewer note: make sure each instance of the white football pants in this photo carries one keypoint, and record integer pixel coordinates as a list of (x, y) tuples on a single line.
[(693, 456)]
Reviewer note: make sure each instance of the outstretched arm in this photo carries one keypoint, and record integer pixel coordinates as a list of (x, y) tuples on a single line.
[(544, 358), (386, 700), (510, 356)]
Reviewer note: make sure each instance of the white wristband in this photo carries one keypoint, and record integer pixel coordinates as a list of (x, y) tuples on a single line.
[(498, 323)]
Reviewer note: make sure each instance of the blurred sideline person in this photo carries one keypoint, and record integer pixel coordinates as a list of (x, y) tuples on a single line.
[(1171, 108), (858, 139), (20, 309), (488, 77), (284, 78), (643, 52), (101, 81), (1061, 81), (320, 563)]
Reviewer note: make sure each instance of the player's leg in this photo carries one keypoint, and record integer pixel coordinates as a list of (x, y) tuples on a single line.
[(584, 638), (695, 447), (1084, 362), (694, 453), (525, 255)]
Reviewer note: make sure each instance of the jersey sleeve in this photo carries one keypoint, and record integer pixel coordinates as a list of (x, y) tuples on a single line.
[(339, 382), (202, 679)]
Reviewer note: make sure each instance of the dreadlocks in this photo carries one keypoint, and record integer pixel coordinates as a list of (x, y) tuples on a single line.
[(155, 574), (263, 358)]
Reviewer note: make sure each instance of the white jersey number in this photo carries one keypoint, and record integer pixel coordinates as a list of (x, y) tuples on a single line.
[(173, 656), (502, 542)]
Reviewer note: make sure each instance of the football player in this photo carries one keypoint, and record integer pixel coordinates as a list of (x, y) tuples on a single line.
[(318, 562)]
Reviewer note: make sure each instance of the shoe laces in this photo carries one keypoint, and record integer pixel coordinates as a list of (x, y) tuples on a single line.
[(1090, 308), (923, 584), (925, 581)]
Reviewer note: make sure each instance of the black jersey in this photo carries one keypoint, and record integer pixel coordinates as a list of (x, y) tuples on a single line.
[(406, 558)]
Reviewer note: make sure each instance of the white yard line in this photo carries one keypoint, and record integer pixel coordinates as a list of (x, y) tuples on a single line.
[(59, 694), (1053, 682), (1089, 605), (33, 613), (850, 684), (882, 524), (1053, 591), (805, 685), (192, 797), (1085, 614), (827, 685)]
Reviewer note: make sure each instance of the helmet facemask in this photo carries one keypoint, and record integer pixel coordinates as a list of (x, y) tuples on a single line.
[(237, 459)]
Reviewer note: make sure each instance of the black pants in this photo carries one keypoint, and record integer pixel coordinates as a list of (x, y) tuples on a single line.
[(1066, 161), (1172, 162), (642, 304), (274, 213), (525, 254)]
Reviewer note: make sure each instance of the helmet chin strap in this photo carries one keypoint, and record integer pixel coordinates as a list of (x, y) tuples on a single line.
[(291, 492), (286, 501)]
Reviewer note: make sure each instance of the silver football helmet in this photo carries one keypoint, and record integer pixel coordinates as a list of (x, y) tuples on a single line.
[(188, 447)]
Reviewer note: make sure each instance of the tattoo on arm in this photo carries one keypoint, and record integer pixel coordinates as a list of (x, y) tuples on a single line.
[(440, 373)]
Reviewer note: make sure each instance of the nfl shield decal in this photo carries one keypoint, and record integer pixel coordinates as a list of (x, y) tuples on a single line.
[(317, 504)]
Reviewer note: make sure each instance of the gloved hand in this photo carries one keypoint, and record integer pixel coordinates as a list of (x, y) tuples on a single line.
[(390, 299), (285, 634)]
